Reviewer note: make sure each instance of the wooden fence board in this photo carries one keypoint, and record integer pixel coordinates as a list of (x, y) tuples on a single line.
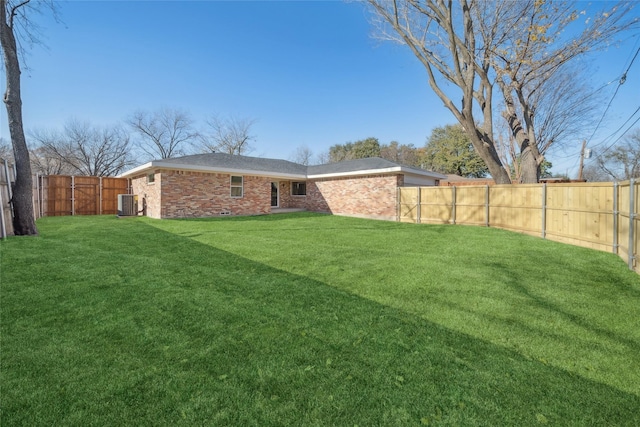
[(470, 205), (6, 215), (408, 203), (59, 197), (436, 206), (111, 187)]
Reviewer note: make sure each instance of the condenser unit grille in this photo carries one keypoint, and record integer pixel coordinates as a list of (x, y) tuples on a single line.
[(127, 205)]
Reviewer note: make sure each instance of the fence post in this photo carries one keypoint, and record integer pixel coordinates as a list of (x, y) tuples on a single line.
[(3, 228), (9, 188), (616, 213), (37, 197), (42, 210), (100, 199), (34, 197), (632, 220), (453, 204), (42, 183), (419, 207), (544, 210), (398, 207), (486, 205), (73, 195)]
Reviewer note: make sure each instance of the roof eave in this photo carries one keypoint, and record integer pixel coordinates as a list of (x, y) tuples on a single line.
[(137, 170), (429, 174), (160, 164), (209, 169), (390, 170)]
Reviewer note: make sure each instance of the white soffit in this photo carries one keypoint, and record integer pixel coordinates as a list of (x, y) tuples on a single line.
[(208, 169)]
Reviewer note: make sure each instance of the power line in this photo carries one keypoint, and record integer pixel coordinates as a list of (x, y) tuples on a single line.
[(621, 81), (569, 156), (623, 134), (613, 143)]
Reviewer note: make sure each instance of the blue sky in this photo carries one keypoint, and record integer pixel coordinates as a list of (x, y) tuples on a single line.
[(308, 72)]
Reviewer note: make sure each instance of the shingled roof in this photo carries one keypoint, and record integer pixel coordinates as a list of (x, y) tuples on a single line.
[(228, 161), (277, 168)]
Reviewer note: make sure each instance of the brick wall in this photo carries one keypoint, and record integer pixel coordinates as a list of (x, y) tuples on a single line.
[(371, 196), (287, 200), (150, 192), (198, 194)]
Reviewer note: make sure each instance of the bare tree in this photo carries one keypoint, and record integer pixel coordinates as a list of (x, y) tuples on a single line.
[(231, 135), (323, 157), (44, 159), (303, 155), (490, 48), (13, 15), (164, 133), (44, 162), (84, 149), (593, 173), (6, 152), (619, 163), (565, 108)]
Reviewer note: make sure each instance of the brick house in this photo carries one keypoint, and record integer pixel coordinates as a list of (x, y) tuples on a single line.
[(221, 184)]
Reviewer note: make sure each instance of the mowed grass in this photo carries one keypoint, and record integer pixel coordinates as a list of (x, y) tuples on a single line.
[(312, 320)]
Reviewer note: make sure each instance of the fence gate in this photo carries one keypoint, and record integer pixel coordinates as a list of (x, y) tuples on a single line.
[(86, 195)]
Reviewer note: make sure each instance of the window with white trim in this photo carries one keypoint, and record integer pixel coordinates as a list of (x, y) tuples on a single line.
[(298, 188), (151, 178), (236, 186)]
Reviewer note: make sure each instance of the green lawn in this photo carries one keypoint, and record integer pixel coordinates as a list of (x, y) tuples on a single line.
[(312, 320)]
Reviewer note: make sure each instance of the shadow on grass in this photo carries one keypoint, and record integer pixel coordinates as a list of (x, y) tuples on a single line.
[(142, 327), (514, 281)]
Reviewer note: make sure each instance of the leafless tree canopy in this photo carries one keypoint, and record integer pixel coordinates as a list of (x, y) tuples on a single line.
[(323, 158), (302, 155), (565, 108), (231, 135), (618, 163), (82, 149), (164, 133), (47, 161), (6, 152), (498, 53)]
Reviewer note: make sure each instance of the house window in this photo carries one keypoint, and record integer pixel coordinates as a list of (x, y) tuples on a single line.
[(236, 186), (298, 188), (151, 178)]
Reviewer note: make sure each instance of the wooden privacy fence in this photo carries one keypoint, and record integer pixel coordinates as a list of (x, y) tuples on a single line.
[(60, 195), (601, 216)]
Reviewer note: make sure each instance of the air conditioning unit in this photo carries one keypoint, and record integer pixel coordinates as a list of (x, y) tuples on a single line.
[(127, 204)]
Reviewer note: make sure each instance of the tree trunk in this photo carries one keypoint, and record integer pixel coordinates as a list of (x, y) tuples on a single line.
[(487, 151), (497, 171), (530, 157), (24, 221), (529, 167)]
